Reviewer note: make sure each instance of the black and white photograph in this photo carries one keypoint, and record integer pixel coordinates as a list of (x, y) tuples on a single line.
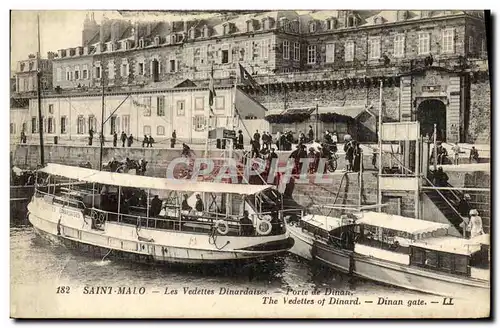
[(250, 164)]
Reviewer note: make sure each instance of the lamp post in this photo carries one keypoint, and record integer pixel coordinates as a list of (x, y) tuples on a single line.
[(317, 118)]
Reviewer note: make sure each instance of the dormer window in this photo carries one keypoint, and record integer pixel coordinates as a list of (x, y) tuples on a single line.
[(265, 23), (192, 33), (22, 67), (284, 24), (402, 15), (205, 31), (125, 45), (157, 40), (225, 29), (141, 43), (173, 39), (312, 27), (249, 25), (331, 23), (352, 21), (378, 20)]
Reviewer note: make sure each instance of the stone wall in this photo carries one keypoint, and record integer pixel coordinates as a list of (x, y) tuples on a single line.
[(480, 112)]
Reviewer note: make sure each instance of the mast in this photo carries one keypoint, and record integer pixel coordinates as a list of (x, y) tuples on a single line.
[(101, 137), (379, 200), (39, 94)]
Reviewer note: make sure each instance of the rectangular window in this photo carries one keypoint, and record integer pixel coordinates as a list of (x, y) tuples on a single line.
[(199, 122), (140, 69), (160, 106), (330, 52), (50, 125), (160, 130), (181, 110), (34, 124), (147, 106), (80, 125), (311, 54), (126, 124), (296, 51), (471, 44), (63, 124), (172, 65), (424, 43), (374, 48), (264, 49), (225, 56), (249, 51), (286, 49), (92, 122), (199, 103), (349, 51), (77, 73), (85, 72), (146, 129), (111, 70), (98, 72), (448, 40), (68, 77), (219, 103), (51, 109), (399, 45), (113, 125)]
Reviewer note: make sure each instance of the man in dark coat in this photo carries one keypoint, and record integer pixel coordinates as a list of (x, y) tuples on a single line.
[(123, 138), (256, 137), (310, 134), (130, 140), (115, 139), (155, 207), (174, 138), (91, 136), (464, 206), (240, 140), (199, 207), (145, 141), (246, 224)]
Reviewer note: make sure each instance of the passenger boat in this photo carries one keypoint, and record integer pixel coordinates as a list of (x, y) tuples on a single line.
[(145, 219), (396, 250)]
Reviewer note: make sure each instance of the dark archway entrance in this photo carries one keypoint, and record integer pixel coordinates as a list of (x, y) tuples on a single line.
[(432, 112)]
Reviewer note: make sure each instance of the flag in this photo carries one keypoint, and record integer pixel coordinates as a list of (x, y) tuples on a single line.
[(247, 79), (211, 89)]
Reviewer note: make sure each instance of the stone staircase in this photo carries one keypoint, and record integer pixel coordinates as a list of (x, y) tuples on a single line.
[(449, 211)]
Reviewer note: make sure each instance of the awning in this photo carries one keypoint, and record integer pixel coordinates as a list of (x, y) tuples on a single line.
[(448, 244), (137, 181), (327, 223), (399, 223), (348, 111)]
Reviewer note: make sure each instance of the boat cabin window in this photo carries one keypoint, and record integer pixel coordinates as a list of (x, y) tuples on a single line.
[(440, 261), (387, 239)]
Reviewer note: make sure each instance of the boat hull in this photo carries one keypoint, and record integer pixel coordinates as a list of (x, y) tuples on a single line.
[(71, 228)]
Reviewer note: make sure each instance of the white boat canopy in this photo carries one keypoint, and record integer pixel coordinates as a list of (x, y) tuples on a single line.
[(449, 244), (327, 223), (137, 181), (399, 223)]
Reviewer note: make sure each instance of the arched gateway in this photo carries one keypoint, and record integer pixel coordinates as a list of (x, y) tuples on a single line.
[(430, 112)]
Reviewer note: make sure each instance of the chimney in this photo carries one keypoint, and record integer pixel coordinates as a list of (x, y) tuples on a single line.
[(116, 30), (104, 30), (60, 53), (136, 33)]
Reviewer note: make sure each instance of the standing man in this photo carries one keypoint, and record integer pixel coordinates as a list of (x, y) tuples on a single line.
[(474, 155), (174, 138), (91, 136), (256, 138), (130, 140), (310, 134), (240, 140), (145, 141), (123, 138), (101, 138), (23, 137), (115, 138), (150, 141)]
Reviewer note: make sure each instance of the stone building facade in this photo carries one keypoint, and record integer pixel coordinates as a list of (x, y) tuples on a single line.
[(333, 59), (26, 74)]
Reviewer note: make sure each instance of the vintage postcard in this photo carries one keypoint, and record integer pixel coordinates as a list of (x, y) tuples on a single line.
[(250, 164)]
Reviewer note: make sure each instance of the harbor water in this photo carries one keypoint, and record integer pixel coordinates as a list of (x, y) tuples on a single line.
[(37, 264)]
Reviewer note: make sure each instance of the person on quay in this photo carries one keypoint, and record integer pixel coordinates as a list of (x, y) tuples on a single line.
[(475, 226), (23, 137), (464, 208), (130, 140), (184, 205), (151, 141), (115, 139), (145, 141), (264, 140), (123, 138), (255, 148), (289, 140), (302, 138), (312, 156), (155, 207), (199, 207), (349, 152), (456, 153), (173, 140), (240, 140), (186, 151), (310, 134), (247, 228), (256, 137), (440, 178), (269, 140), (358, 157), (101, 138), (278, 140), (91, 136), (282, 142), (474, 155)]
